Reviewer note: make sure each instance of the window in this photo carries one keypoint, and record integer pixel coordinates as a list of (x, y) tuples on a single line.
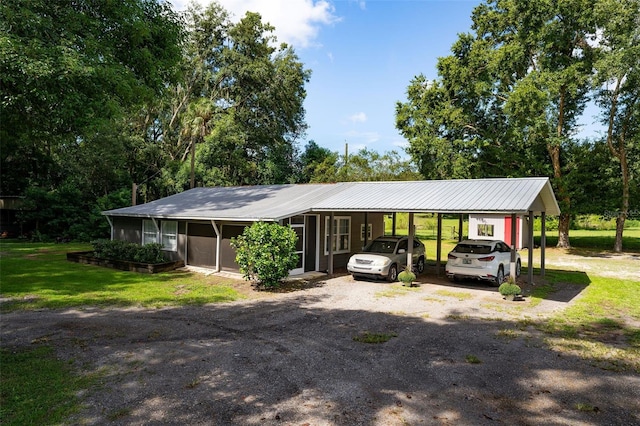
[(169, 235), (485, 230), (341, 234), (369, 232), (149, 232)]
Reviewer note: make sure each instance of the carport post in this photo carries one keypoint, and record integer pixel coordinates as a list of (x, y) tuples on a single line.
[(330, 248), (460, 223), (543, 242), (218, 246), (439, 244), (512, 266), (410, 242), (366, 229), (530, 258), (393, 224)]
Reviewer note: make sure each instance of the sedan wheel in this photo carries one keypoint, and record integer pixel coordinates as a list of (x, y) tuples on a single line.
[(518, 268), (420, 266), (393, 273), (500, 276)]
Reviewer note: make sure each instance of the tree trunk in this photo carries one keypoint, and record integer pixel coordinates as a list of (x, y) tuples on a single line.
[(554, 152), (624, 211), (193, 163)]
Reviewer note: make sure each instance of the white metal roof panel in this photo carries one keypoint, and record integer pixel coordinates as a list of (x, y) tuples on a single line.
[(274, 202), (515, 195), (242, 203)]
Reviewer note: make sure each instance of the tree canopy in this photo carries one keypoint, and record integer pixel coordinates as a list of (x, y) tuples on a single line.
[(508, 100)]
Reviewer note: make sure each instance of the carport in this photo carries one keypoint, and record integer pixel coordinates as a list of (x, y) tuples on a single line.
[(531, 197)]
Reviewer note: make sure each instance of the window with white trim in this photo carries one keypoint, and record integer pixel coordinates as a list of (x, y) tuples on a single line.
[(169, 235), (149, 232), (341, 234)]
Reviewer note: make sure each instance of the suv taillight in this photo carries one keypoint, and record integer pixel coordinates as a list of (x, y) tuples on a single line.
[(451, 257), (487, 259)]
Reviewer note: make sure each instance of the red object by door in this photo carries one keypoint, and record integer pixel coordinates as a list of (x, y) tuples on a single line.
[(507, 232)]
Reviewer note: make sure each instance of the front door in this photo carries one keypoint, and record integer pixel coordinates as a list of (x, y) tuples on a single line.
[(299, 230)]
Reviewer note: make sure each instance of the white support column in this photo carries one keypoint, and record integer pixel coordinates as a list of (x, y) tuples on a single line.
[(530, 257), (439, 245), (513, 243), (410, 242), (330, 248), (218, 244), (543, 243), (111, 225)]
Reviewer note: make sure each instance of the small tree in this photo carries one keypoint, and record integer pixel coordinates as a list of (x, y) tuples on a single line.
[(266, 252)]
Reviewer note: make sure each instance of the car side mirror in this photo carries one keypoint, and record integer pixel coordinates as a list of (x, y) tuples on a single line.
[(401, 251)]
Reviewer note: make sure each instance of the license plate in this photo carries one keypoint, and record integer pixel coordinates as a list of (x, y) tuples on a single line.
[(466, 261)]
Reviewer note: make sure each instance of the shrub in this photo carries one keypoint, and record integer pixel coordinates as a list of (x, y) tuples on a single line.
[(407, 276), (266, 252), (509, 288), (130, 252)]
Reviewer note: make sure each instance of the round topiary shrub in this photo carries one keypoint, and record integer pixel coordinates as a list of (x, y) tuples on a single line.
[(265, 252)]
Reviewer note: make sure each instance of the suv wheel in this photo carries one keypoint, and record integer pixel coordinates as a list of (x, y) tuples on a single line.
[(393, 273)]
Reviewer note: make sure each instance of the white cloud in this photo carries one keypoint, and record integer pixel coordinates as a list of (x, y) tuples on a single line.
[(296, 22), (359, 117), (362, 137), (361, 3)]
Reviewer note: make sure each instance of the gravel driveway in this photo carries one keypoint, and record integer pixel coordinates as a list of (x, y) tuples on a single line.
[(290, 359)]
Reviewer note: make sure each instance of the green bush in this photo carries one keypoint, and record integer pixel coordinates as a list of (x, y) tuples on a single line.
[(509, 288), (130, 252), (266, 252)]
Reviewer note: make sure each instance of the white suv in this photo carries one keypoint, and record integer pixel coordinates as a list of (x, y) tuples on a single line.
[(487, 260), (384, 257)]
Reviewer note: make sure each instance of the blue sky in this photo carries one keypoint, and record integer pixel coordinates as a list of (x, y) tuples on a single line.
[(363, 55)]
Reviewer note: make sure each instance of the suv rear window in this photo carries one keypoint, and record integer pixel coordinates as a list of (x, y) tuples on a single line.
[(472, 248)]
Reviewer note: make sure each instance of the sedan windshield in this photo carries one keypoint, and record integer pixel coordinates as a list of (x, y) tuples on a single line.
[(381, 246), (473, 248)]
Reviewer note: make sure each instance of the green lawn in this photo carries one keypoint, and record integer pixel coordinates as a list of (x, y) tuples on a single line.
[(38, 276)]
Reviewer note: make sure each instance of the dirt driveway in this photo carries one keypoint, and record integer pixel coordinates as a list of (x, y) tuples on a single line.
[(458, 356)]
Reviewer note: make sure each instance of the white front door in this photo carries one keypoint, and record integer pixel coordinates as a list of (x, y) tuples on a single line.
[(299, 230)]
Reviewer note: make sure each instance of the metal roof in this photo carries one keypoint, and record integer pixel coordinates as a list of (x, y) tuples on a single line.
[(241, 203), (275, 202), (498, 195)]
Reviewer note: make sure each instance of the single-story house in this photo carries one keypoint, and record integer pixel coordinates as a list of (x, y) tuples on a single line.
[(197, 225), (498, 227)]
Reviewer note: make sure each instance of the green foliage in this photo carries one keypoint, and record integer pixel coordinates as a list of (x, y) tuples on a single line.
[(266, 252), (365, 165), (68, 69), (132, 252), (37, 388), (508, 288), (407, 276), (62, 213), (368, 337)]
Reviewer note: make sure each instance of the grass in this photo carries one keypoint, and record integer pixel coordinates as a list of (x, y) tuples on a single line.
[(368, 337), (596, 326), (37, 388), (36, 276), (472, 359), (454, 294)]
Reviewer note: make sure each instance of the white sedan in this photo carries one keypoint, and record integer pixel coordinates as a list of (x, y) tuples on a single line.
[(487, 260)]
